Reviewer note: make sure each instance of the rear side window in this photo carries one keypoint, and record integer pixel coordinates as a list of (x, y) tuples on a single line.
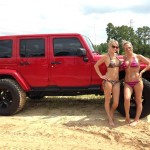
[(66, 46), (5, 48), (32, 48)]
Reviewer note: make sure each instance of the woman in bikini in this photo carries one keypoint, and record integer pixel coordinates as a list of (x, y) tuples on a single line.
[(133, 80), (111, 83)]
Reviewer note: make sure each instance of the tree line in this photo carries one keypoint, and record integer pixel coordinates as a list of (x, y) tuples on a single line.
[(140, 38)]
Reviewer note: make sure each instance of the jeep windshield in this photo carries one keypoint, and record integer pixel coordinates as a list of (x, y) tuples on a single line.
[(90, 44)]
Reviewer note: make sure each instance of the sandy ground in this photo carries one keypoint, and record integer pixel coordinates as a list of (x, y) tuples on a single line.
[(68, 124)]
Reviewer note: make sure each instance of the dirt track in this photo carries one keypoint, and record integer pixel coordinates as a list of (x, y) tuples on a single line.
[(69, 124)]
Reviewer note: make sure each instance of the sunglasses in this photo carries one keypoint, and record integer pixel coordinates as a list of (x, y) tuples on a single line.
[(127, 48), (115, 47)]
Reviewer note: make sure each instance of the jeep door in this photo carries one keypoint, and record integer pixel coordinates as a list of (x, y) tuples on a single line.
[(7, 53), (66, 68), (32, 60)]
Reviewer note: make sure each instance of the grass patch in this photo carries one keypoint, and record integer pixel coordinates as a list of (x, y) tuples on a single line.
[(79, 97), (67, 101)]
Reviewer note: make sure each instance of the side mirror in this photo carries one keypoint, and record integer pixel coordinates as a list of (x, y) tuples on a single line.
[(81, 52)]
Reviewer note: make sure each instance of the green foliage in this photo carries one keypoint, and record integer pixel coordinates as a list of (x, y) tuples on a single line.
[(144, 34), (102, 48), (139, 38)]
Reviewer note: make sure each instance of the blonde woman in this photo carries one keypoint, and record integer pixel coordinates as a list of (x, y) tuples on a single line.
[(133, 80), (111, 84)]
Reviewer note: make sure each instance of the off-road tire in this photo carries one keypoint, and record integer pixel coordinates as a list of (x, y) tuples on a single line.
[(145, 101), (12, 97)]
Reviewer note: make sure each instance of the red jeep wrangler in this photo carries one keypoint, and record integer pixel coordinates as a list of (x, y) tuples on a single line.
[(53, 64)]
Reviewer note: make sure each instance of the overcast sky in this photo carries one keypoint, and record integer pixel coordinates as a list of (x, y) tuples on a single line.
[(88, 17)]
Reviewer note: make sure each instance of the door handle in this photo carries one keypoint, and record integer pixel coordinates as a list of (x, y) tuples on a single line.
[(22, 63), (56, 62)]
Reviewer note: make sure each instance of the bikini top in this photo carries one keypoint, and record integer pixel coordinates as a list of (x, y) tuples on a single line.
[(134, 64), (113, 64)]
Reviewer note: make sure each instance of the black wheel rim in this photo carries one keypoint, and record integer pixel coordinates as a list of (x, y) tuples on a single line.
[(5, 98)]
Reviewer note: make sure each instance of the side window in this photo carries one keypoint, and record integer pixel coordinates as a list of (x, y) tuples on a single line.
[(5, 48), (32, 47), (66, 46)]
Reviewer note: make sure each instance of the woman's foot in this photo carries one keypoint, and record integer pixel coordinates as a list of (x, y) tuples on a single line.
[(128, 121), (134, 123), (111, 123)]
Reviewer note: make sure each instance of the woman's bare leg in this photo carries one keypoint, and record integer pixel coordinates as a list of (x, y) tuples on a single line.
[(107, 93), (138, 89), (127, 96), (115, 93)]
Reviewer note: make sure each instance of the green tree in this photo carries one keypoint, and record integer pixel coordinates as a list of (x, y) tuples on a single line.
[(111, 31), (139, 39), (144, 34)]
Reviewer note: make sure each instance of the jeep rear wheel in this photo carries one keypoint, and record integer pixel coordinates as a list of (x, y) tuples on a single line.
[(145, 101), (12, 97)]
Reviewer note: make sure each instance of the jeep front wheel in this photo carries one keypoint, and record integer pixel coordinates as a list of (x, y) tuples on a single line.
[(12, 97), (145, 101)]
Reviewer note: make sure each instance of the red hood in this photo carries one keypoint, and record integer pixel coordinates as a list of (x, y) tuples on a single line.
[(96, 57)]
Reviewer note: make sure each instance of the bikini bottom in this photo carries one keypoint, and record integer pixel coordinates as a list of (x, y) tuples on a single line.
[(113, 82), (132, 84)]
